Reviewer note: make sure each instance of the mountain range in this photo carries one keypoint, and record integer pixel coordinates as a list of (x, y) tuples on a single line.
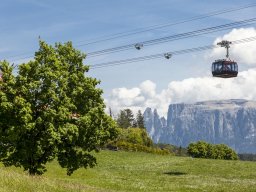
[(232, 122)]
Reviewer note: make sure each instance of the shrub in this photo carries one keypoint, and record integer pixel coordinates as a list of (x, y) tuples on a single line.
[(135, 136), (201, 149), (135, 139)]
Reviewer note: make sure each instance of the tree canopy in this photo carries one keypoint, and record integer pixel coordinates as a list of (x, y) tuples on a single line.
[(50, 109)]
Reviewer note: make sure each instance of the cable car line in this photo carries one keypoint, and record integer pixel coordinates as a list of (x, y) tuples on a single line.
[(160, 26), (175, 37), (161, 55), (165, 39), (166, 55), (168, 38), (156, 56), (153, 27)]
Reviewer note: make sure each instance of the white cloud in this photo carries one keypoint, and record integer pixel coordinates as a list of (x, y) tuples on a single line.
[(243, 53), (128, 97), (209, 88), (148, 88)]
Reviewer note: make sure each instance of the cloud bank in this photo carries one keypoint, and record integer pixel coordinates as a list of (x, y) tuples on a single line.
[(187, 91)]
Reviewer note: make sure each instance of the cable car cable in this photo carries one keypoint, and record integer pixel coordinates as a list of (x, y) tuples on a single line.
[(168, 38), (156, 56), (154, 27), (179, 52), (175, 37)]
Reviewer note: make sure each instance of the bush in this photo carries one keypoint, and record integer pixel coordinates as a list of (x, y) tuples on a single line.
[(124, 145), (201, 149), (135, 136), (135, 139), (178, 151)]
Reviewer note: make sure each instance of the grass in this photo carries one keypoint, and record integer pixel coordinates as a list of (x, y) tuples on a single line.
[(131, 171)]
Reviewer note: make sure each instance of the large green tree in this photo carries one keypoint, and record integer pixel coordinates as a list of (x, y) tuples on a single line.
[(51, 110)]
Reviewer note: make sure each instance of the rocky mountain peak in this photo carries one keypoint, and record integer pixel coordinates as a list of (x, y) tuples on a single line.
[(232, 122)]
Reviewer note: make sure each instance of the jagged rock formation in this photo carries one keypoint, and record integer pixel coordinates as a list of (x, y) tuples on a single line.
[(154, 124), (232, 122)]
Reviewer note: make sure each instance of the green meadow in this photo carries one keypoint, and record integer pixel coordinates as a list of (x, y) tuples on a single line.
[(135, 171)]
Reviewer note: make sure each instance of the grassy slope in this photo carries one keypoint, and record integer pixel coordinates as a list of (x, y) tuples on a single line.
[(127, 171)]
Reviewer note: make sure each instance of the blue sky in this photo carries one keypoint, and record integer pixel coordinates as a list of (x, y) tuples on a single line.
[(82, 21)]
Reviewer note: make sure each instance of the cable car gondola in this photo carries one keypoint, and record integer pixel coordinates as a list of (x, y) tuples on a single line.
[(224, 68)]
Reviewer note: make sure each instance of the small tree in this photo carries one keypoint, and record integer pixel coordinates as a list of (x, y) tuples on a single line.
[(129, 116), (122, 121), (125, 118), (51, 110), (140, 120)]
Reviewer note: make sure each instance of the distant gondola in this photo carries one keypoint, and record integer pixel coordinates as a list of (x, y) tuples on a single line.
[(224, 68)]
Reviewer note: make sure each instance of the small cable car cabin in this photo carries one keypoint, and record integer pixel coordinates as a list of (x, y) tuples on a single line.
[(224, 68)]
